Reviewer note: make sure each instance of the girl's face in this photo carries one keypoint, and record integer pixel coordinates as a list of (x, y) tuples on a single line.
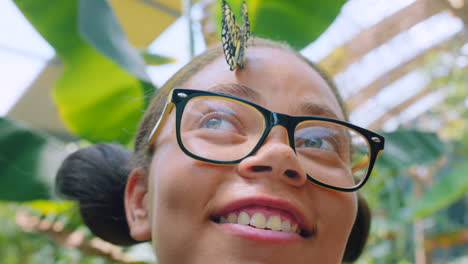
[(187, 197)]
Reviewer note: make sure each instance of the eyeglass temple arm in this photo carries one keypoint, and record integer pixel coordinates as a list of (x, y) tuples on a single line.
[(162, 119), (364, 162)]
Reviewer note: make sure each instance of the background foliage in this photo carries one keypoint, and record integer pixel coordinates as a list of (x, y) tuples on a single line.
[(104, 89)]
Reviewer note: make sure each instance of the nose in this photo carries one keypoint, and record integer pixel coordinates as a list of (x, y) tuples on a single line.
[(275, 158)]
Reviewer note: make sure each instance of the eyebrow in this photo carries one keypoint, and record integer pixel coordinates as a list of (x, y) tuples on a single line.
[(316, 109), (238, 90), (247, 93)]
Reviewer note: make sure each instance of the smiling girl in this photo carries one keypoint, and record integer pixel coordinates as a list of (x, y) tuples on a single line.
[(255, 165)]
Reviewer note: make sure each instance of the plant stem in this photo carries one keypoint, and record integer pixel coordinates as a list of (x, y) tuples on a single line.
[(187, 5)]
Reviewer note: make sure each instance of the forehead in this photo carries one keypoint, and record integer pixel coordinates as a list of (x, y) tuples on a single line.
[(279, 78)]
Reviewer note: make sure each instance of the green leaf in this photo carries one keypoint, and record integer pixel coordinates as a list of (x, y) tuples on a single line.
[(156, 59), (46, 207), (297, 22), (99, 27), (404, 148), (450, 188), (95, 97), (28, 162)]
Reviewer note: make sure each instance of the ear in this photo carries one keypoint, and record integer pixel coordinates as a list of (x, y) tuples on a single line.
[(136, 205)]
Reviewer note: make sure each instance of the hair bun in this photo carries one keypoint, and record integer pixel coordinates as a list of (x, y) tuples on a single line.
[(96, 177)]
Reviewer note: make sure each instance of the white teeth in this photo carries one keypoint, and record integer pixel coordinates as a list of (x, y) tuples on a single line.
[(286, 226), (232, 218), (258, 220), (274, 223), (294, 228), (243, 219)]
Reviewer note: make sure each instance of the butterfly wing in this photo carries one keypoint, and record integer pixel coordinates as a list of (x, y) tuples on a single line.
[(244, 35), (246, 26), (230, 36)]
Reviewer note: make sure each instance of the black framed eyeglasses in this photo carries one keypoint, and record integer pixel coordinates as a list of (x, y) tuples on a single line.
[(223, 129)]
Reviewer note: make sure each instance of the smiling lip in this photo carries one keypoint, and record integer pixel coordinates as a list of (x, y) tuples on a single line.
[(280, 205)]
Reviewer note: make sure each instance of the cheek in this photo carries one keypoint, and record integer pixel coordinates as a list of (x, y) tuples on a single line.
[(172, 200), (337, 212), (334, 213), (180, 182), (181, 187), (174, 188)]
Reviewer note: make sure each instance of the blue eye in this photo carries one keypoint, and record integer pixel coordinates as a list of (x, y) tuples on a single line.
[(317, 143), (213, 123), (218, 123), (313, 143), (315, 137)]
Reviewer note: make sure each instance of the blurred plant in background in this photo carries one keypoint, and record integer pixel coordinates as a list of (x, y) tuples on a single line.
[(421, 208), (417, 193)]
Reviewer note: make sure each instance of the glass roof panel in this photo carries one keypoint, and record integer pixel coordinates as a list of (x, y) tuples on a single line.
[(355, 16), (401, 48), (23, 54), (389, 97), (421, 106)]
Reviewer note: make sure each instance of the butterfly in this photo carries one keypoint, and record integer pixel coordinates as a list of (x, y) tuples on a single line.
[(234, 37)]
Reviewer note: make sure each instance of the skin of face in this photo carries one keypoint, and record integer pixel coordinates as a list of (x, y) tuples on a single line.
[(183, 193)]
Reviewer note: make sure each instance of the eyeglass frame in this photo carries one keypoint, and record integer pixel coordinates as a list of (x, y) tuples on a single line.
[(179, 98)]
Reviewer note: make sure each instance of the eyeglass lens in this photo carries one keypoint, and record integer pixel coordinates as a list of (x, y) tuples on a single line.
[(223, 129)]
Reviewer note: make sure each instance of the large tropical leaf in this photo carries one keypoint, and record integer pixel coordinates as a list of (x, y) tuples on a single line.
[(99, 27), (404, 148), (96, 98), (297, 22), (451, 187), (28, 162)]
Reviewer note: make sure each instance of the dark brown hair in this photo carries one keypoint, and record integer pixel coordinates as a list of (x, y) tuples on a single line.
[(96, 176)]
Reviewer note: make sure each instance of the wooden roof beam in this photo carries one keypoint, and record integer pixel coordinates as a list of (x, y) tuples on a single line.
[(376, 35), (359, 98), (377, 124)]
